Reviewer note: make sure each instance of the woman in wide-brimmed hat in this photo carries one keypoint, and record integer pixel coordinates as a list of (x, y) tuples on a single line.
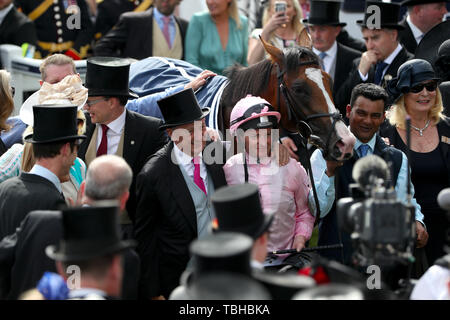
[(416, 94)]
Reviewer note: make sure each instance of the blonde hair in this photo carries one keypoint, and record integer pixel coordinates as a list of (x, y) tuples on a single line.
[(233, 12), (297, 24), (397, 113), (57, 59), (6, 99)]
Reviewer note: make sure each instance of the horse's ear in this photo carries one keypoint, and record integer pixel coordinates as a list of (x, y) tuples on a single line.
[(304, 40), (275, 53)]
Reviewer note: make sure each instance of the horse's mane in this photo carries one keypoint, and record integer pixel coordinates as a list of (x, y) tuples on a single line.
[(254, 79)]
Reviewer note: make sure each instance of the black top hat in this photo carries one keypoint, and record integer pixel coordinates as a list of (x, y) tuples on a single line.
[(389, 15), (416, 2), (227, 286), (324, 12), (333, 291), (238, 209), (181, 108), (283, 286), (89, 232), (54, 123), (225, 251), (107, 76)]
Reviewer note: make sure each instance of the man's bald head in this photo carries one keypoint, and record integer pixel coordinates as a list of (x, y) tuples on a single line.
[(108, 177)]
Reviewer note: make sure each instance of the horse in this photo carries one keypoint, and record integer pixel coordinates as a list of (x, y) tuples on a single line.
[(292, 82)]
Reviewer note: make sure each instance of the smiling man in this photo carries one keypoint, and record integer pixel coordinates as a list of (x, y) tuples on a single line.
[(384, 53), (114, 129), (366, 112)]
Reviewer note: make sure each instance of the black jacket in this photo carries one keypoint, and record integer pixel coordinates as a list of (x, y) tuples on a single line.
[(17, 29), (132, 36), (406, 38), (22, 194), (166, 222)]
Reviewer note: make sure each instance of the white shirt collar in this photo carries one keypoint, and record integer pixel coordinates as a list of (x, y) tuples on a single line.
[(117, 125), (46, 174), (5, 11), (329, 58), (185, 161), (392, 56), (418, 35)]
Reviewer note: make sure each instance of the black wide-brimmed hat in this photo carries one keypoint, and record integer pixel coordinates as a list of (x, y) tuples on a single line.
[(324, 12), (54, 123), (428, 47), (238, 209), (181, 108), (389, 15), (410, 74), (108, 76), (89, 232), (225, 251), (416, 2)]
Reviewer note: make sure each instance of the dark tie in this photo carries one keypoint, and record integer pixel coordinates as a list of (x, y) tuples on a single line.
[(379, 71), (103, 147), (363, 150)]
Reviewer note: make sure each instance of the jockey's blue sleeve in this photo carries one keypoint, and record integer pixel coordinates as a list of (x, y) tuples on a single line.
[(148, 105)]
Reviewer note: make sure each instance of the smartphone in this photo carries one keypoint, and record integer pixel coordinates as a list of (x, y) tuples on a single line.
[(280, 6)]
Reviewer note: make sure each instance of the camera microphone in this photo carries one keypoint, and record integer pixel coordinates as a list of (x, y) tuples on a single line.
[(368, 169), (444, 199)]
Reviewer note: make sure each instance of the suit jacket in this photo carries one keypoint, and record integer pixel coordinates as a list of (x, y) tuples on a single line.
[(444, 88), (23, 260), (17, 29), (329, 232), (22, 194), (142, 138), (166, 222), (132, 36), (343, 66), (342, 97), (406, 38), (345, 39)]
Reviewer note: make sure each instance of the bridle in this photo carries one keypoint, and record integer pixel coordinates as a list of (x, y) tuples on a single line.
[(302, 120)]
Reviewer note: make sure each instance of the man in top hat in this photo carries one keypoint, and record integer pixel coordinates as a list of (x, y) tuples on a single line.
[(92, 247), (113, 128), (324, 27), (384, 53), (55, 144), (442, 67), (22, 254), (173, 193), (422, 16)]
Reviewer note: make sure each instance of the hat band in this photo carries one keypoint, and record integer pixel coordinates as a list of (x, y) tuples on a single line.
[(257, 108)]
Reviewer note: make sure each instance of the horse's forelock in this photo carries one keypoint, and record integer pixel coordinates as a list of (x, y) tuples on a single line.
[(296, 55)]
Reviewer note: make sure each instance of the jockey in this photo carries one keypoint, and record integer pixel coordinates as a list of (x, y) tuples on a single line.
[(283, 190)]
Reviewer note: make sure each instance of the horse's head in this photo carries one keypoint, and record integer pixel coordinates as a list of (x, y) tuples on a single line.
[(301, 91)]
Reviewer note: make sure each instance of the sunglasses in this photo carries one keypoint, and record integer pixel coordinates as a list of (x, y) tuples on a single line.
[(431, 86)]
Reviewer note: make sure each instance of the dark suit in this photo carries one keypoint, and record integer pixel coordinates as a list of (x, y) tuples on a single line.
[(406, 38), (142, 138), (166, 222), (329, 232), (343, 67), (23, 260), (22, 194), (109, 11), (444, 87), (345, 39), (132, 36), (342, 97), (17, 29)]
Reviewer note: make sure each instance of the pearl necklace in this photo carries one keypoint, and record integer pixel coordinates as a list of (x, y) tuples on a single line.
[(421, 130)]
